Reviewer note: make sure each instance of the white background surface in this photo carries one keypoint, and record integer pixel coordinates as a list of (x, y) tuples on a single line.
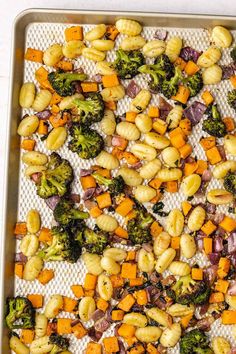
[(10, 8)]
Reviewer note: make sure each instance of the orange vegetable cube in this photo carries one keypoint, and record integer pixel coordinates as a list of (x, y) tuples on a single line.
[(77, 290), (20, 228), (233, 81), (90, 281), (69, 304), (154, 112), (177, 140), (126, 303), (185, 150), (130, 158), (207, 242), (155, 229), (126, 330), (131, 256), (104, 200), (111, 32), (207, 97), (45, 276), (18, 270), (171, 186), (88, 182), (125, 207), (110, 80), (197, 274), (229, 123), (180, 63), (175, 242), (160, 126), (141, 297), (121, 232), (182, 95), (201, 166), (191, 68), (64, 65), (34, 55), (95, 212), (136, 282), (45, 235), (208, 143), (117, 315), (42, 127), (208, 228), (130, 116), (117, 281), (102, 304), (64, 325), (213, 155), (89, 86), (186, 126), (36, 300), (185, 320), (79, 331), (186, 207), (222, 285), (228, 317), (223, 267), (28, 144), (128, 270), (111, 344), (228, 224), (74, 33), (155, 183), (93, 348), (27, 336)]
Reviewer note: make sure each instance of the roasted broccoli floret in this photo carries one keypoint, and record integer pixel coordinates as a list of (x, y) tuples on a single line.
[(65, 213), (139, 227), (86, 142), (127, 63), (230, 182), (214, 125), (233, 54), (115, 185), (56, 179), (169, 87), (59, 343), (63, 82), (64, 247), (194, 83), (195, 342), (188, 291), (231, 98), (19, 313), (160, 70), (90, 110), (94, 242)]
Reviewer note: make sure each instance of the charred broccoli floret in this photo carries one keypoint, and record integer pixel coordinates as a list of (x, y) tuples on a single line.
[(90, 110), (194, 83), (94, 242), (138, 227), (64, 247), (169, 87), (65, 213), (214, 125), (115, 185), (160, 70), (233, 54), (56, 179), (230, 182), (63, 82), (195, 342), (127, 63), (188, 291), (59, 342), (19, 313), (86, 142), (231, 98)]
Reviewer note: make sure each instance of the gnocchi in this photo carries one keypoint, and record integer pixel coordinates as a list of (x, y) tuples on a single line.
[(212, 75), (106, 160), (161, 243), (92, 263), (191, 184), (187, 245), (52, 55), (221, 170), (106, 223), (128, 27), (29, 245), (32, 268), (145, 261), (56, 138), (28, 126), (219, 197), (143, 122), (154, 48), (175, 222), (108, 122), (179, 268), (87, 307), (110, 265), (103, 44), (54, 306), (144, 151), (179, 310), (171, 156), (169, 174), (141, 101), (135, 319), (33, 221), (17, 346), (170, 336), (95, 33), (34, 158), (73, 49), (150, 169), (208, 58), (27, 95), (41, 323), (221, 37), (148, 334), (128, 131), (173, 48), (132, 43), (144, 193), (115, 93), (130, 176), (174, 117), (42, 100), (220, 345), (93, 54), (230, 144), (160, 316), (165, 260), (157, 141), (196, 218), (41, 345), (105, 288)]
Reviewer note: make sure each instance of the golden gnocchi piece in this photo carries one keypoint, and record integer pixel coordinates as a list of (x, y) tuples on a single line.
[(17, 346), (105, 288), (106, 222), (103, 44), (93, 54), (128, 130), (148, 334), (165, 260), (144, 151), (105, 68), (171, 156), (220, 345), (28, 126), (32, 268), (191, 184), (27, 94), (87, 307), (128, 27), (211, 56), (95, 33), (33, 221), (169, 174), (157, 141), (42, 100), (56, 138), (52, 55), (130, 176), (141, 101), (170, 336), (174, 117), (41, 323), (30, 170), (34, 158), (179, 268), (73, 49), (144, 193), (160, 316), (108, 122), (187, 245), (230, 144), (196, 218), (29, 245), (219, 197), (212, 75), (106, 160), (110, 265), (179, 310), (68, 102), (92, 263), (154, 48), (145, 261), (143, 122), (135, 319), (41, 345), (173, 48), (132, 43), (221, 37), (115, 93), (221, 170), (175, 222), (115, 253), (150, 169), (161, 243), (231, 300), (53, 306)]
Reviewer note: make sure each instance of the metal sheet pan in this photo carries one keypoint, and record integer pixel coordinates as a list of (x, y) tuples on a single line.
[(39, 28)]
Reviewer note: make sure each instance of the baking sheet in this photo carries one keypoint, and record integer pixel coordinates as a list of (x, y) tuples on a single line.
[(40, 36)]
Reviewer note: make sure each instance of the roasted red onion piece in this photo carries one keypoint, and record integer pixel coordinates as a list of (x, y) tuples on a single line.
[(132, 89), (52, 201), (160, 34), (195, 112), (232, 288), (85, 172), (44, 115), (88, 193)]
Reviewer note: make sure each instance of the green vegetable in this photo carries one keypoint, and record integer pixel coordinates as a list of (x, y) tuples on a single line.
[(128, 63), (214, 125), (188, 291), (195, 342), (233, 54), (59, 343), (65, 213), (90, 110), (230, 182), (160, 70), (115, 185), (139, 227), (86, 142), (93, 242), (64, 247), (56, 179), (169, 87), (194, 83), (158, 209), (231, 98), (19, 313), (63, 82)]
